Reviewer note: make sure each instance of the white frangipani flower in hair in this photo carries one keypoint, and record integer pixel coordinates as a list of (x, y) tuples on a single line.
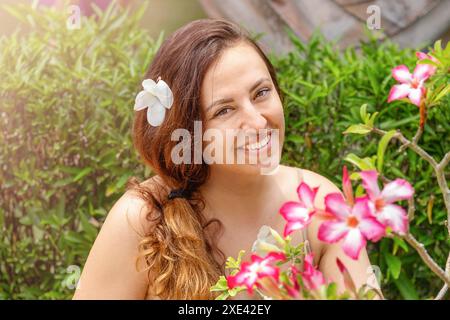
[(157, 97)]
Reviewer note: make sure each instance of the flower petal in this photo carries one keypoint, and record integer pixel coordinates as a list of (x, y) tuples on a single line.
[(361, 208), (421, 55), (336, 205), (149, 85), (370, 183), (269, 271), (399, 91), (401, 74), (415, 96), (143, 100), (332, 231), (422, 72), (293, 226), (397, 190), (395, 217), (353, 243), (372, 229), (306, 195), (294, 211), (164, 94), (156, 114), (275, 256)]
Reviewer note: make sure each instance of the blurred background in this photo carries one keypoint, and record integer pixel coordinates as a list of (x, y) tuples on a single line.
[(69, 72)]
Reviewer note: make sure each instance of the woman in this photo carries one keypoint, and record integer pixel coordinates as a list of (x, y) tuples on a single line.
[(186, 219)]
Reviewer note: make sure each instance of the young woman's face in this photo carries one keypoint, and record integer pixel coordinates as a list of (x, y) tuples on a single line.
[(239, 97)]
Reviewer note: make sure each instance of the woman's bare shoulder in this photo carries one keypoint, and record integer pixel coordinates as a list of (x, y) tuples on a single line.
[(314, 179)]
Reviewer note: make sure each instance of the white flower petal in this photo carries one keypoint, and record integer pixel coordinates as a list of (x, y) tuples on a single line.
[(149, 85), (156, 114), (144, 100), (164, 94)]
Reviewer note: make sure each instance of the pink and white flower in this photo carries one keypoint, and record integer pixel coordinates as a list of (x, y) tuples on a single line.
[(352, 224), (298, 214), (381, 202), (312, 278), (411, 85), (251, 272)]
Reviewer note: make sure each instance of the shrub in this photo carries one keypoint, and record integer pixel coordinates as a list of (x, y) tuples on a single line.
[(324, 91)]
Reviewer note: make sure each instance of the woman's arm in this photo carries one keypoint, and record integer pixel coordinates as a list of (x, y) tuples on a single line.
[(109, 272)]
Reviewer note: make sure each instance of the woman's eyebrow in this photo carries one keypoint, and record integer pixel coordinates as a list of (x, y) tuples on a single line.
[(226, 100)]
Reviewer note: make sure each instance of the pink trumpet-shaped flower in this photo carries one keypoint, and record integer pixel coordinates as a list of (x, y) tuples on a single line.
[(381, 202), (411, 85), (298, 214), (251, 272), (312, 278), (354, 224)]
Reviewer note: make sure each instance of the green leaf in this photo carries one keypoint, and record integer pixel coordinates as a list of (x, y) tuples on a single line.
[(382, 148), (406, 287), (394, 263), (358, 129), (362, 164), (82, 174), (363, 112)]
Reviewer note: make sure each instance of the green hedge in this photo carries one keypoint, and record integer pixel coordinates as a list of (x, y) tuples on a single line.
[(66, 152)]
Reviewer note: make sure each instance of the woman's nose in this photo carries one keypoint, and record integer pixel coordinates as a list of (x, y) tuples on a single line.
[(252, 118)]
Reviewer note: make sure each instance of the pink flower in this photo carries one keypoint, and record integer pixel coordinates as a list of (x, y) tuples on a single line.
[(312, 278), (411, 86), (298, 214), (258, 268), (423, 56), (381, 202), (354, 224)]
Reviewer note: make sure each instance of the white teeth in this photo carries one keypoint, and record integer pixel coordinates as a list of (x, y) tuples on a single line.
[(258, 145)]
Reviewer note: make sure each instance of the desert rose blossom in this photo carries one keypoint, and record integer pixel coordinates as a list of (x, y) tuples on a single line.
[(410, 86), (352, 224), (258, 268), (381, 203)]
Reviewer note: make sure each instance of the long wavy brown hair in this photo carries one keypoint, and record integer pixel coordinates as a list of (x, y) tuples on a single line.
[(180, 254)]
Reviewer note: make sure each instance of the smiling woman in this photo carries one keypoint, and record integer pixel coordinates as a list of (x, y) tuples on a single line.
[(184, 221)]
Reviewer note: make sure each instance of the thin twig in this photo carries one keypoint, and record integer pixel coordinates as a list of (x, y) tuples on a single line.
[(420, 248), (444, 289)]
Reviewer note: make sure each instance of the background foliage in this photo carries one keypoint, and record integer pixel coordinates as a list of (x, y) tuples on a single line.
[(65, 146)]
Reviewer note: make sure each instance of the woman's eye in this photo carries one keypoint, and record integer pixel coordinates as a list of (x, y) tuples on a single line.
[(263, 90), (222, 112)]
